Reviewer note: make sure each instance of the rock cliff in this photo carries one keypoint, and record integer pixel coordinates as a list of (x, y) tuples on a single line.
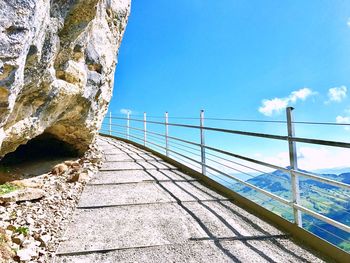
[(57, 63)]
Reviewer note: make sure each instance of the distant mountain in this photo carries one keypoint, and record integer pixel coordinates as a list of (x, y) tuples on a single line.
[(333, 171), (345, 178), (325, 199)]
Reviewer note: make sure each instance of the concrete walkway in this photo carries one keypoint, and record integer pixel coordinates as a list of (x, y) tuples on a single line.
[(140, 209)]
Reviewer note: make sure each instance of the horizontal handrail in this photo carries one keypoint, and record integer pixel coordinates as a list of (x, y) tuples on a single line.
[(318, 178), (271, 195), (280, 199), (244, 120), (298, 172), (321, 142), (323, 218), (156, 138), (255, 134), (185, 141)]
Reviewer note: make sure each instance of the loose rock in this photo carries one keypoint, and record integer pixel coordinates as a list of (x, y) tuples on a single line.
[(34, 229), (59, 169), (24, 194)]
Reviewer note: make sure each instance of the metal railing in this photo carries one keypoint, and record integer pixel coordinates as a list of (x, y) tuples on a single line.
[(195, 155)]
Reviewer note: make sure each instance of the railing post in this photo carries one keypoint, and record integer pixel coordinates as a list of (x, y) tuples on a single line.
[(110, 123), (144, 129), (128, 125), (166, 134), (204, 168), (293, 166)]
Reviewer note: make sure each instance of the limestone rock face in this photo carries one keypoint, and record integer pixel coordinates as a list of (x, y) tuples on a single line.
[(57, 63)]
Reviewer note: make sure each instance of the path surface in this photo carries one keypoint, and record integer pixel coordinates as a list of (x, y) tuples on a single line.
[(140, 209)]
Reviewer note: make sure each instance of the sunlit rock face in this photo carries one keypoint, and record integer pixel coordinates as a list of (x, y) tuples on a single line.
[(57, 63)]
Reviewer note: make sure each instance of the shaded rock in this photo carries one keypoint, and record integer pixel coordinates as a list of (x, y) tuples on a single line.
[(27, 183), (79, 177), (18, 239), (72, 163), (44, 239), (74, 166), (11, 228), (57, 63), (59, 169), (24, 194)]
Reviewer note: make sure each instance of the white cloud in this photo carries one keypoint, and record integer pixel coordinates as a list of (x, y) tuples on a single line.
[(321, 158), (348, 22), (337, 94), (309, 158), (301, 94), (277, 105), (125, 111), (274, 105), (342, 120), (280, 159), (314, 158)]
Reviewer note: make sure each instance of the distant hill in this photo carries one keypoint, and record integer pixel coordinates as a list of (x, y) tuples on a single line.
[(326, 199)]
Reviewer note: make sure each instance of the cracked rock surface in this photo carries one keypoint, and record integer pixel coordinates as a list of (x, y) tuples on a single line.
[(57, 63)]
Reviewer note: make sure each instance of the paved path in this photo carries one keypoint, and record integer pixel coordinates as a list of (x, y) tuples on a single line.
[(138, 208)]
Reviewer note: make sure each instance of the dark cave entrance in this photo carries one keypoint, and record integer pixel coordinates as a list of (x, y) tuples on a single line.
[(36, 157), (42, 147)]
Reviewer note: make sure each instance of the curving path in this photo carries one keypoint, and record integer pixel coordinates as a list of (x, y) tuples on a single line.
[(139, 208)]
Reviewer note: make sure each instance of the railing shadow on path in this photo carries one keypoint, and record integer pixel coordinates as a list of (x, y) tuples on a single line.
[(216, 240)]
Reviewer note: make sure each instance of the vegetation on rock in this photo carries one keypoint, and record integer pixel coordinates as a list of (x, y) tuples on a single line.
[(7, 188)]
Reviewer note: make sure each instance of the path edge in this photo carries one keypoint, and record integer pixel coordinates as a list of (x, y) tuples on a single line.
[(302, 237)]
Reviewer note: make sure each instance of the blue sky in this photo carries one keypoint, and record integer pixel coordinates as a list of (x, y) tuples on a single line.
[(239, 59)]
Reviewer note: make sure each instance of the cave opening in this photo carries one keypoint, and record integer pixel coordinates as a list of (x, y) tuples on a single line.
[(36, 157)]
